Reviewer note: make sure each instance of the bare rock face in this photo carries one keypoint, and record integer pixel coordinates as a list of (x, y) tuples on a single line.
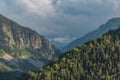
[(23, 43)]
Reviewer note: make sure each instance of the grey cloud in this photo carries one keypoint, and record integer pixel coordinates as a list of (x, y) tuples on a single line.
[(83, 16), (71, 7), (69, 17), (84, 7), (29, 13)]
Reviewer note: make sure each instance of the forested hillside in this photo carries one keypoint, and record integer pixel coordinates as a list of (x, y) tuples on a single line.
[(96, 60)]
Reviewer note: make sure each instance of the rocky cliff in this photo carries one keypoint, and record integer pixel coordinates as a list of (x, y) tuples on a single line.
[(20, 46)]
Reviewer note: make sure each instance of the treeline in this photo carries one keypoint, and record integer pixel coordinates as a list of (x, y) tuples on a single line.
[(96, 60)]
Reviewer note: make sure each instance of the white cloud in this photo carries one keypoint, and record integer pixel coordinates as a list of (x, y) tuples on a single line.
[(40, 7), (64, 39), (61, 40)]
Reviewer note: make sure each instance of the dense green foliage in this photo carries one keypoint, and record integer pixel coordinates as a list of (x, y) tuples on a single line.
[(95, 60)]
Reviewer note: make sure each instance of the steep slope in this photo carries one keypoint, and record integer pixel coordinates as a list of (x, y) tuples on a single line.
[(113, 23), (96, 60), (21, 48)]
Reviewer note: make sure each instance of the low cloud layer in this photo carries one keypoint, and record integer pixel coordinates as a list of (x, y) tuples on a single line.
[(68, 17)]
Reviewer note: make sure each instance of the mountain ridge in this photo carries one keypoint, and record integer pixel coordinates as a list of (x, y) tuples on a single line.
[(113, 23)]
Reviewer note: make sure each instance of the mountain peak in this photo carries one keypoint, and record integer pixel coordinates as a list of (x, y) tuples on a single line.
[(2, 17), (113, 23), (114, 19)]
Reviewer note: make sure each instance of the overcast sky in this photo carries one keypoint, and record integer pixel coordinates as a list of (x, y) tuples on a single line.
[(68, 17)]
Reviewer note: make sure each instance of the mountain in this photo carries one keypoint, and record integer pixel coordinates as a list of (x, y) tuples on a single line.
[(21, 48), (97, 59), (113, 23)]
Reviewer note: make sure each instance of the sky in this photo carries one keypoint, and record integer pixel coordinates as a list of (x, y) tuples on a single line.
[(63, 20)]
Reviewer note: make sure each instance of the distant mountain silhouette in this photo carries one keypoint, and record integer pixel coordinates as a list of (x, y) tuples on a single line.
[(113, 23)]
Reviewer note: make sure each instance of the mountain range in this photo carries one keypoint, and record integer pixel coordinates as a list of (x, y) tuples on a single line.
[(97, 59), (23, 52), (113, 23)]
